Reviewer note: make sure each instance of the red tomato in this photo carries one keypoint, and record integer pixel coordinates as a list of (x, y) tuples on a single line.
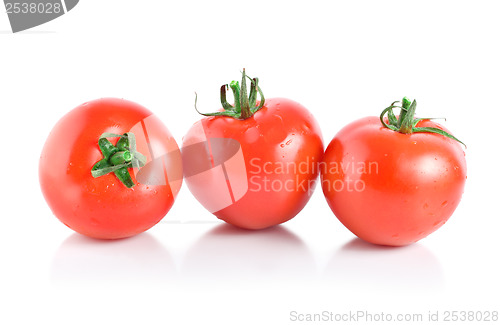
[(105, 207), (392, 188), (258, 171)]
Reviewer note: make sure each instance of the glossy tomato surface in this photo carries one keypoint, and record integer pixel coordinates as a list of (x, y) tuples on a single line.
[(104, 207), (257, 172), (391, 188)]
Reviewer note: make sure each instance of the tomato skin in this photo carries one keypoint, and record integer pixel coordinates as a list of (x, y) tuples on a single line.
[(103, 207), (413, 186), (281, 132)]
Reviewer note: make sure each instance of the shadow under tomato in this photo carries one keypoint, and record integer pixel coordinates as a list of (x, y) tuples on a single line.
[(359, 264), (140, 260), (230, 254)]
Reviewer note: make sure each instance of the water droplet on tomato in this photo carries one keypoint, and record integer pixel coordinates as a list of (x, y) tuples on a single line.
[(282, 145), (289, 141), (445, 203), (252, 134)]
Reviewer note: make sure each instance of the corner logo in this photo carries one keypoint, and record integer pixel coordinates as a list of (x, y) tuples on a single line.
[(26, 14)]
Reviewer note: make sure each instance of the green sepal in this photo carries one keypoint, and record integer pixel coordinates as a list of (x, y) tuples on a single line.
[(437, 131), (102, 169), (392, 118), (118, 159), (407, 122), (223, 99), (245, 105), (124, 176), (235, 87)]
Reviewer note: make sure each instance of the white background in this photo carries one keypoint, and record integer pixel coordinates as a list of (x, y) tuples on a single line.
[(342, 60)]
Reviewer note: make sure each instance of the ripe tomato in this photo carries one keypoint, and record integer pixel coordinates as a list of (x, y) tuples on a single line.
[(393, 184), (253, 165), (90, 171)]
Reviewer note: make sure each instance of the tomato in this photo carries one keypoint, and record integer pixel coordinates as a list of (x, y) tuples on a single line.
[(91, 175), (254, 166), (389, 187)]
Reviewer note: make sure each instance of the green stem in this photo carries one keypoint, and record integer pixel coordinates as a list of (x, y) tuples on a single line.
[(245, 105), (244, 100), (405, 103), (121, 157), (408, 118)]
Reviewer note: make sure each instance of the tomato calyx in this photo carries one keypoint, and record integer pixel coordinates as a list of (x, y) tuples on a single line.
[(245, 105), (406, 123), (118, 158)]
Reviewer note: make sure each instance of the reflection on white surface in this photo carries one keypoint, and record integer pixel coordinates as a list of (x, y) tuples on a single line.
[(360, 264), (227, 253), (139, 260)]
